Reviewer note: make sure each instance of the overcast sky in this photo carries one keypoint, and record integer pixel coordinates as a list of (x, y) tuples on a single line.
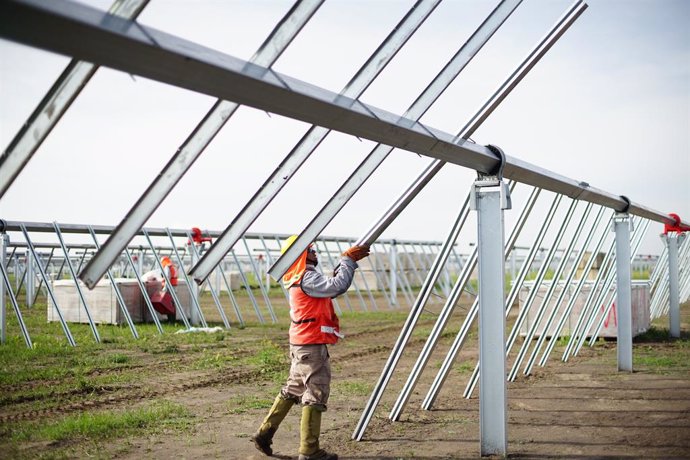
[(609, 104)]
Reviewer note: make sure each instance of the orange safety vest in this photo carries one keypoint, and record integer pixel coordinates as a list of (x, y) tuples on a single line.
[(172, 271), (313, 319)]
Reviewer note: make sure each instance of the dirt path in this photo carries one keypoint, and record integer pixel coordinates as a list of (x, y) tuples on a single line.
[(579, 409)]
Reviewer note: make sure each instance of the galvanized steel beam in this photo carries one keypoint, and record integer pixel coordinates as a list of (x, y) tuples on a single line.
[(624, 336), (376, 157), (313, 138), (68, 28), (54, 105)]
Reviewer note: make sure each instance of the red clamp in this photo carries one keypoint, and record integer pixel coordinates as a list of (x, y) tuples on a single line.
[(676, 226), (197, 237)]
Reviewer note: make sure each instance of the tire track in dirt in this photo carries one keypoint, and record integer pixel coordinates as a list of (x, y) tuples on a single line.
[(139, 392)]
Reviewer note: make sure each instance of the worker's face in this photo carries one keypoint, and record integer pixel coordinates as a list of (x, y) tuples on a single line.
[(311, 255)]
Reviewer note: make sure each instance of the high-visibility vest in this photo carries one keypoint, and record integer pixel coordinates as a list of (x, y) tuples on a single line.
[(313, 319), (172, 271)]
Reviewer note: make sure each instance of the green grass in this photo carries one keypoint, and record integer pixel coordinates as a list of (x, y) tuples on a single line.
[(352, 388), (271, 361), (95, 427), (242, 404)]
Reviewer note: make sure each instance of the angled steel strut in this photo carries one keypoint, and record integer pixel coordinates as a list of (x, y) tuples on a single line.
[(279, 39), (70, 28), (312, 139)]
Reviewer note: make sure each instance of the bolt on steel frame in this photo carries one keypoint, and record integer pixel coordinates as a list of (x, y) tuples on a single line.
[(144, 51)]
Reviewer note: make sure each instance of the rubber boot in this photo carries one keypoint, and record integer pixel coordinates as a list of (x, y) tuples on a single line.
[(263, 438), (310, 429)]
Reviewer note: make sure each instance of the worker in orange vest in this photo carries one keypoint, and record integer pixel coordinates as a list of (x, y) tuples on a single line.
[(313, 326), (161, 299), (170, 271)]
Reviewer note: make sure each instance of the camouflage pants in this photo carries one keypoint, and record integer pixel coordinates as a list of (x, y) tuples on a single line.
[(310, 375)]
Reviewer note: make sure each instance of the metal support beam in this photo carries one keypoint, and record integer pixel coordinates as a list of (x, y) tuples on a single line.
[(489, 198), (377, 156), (672, 240), (313, 138), (4, 243), (621, 226), (54, 105), (73, 273), (279, 39), (65, 327), (69, 28)]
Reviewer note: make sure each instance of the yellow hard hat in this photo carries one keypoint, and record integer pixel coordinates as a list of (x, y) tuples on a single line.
[(287, 243)]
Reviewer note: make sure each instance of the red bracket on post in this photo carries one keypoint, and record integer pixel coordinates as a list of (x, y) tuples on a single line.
[(197, 236), (677, 225)]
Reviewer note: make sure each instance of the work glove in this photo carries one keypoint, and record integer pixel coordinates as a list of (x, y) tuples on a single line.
[(357, 252)]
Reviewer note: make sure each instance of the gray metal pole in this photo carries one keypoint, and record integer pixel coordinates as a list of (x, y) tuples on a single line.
[(4, 243), (157, 262), (257, 274), (672, 240), (63, 323), (142, 288), (94, 330), (30, 278), (489, 198), (536, 320), (6, 283), (376, 157), (621, 225), (248, 288), (410, 322), (279, 39), (54, 104), (118, 293), (190, 286), (216, 300), (565, 315)]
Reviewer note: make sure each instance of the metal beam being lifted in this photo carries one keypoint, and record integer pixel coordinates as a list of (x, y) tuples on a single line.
[(88, 34)]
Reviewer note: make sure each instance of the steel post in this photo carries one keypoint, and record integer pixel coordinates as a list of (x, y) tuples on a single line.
[(376, 157), (4, 243), (262, 288), (621, 226), (672, 240), (30, 279), (142, 288), (5, 282), (195, 256), (63, 323), (118, 293), (565, 315), (73, 273), (173, 293), (248, 288), (489, 199), (393, 284), (410, 322), (197, 318)]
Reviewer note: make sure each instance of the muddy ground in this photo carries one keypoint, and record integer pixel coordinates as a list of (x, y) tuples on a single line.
[(580, 409)]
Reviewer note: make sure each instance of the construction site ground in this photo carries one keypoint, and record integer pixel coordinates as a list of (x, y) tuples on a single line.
[(201, 395)]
